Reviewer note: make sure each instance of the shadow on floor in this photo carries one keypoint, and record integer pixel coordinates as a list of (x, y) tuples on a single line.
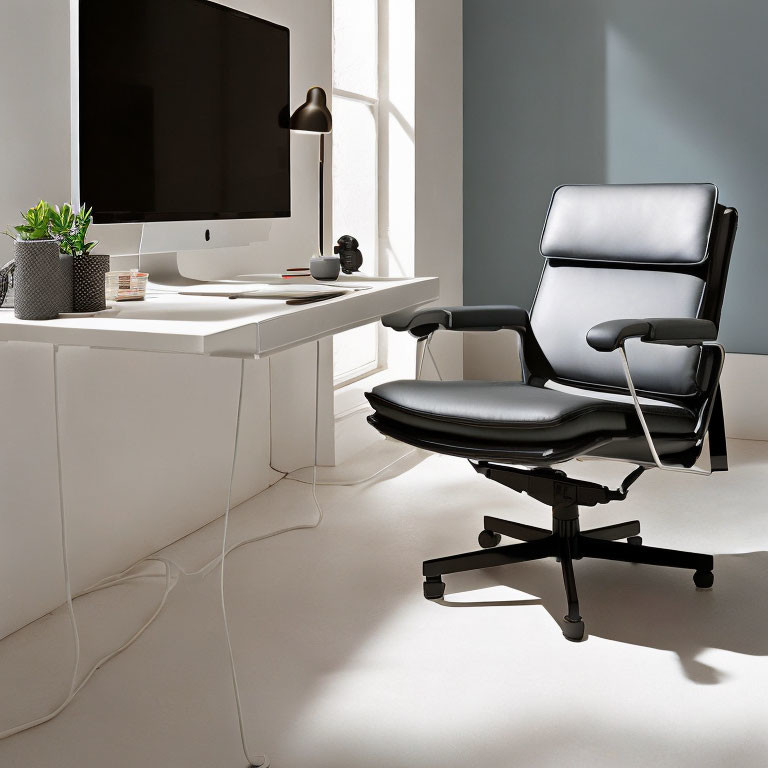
[(649, 606)]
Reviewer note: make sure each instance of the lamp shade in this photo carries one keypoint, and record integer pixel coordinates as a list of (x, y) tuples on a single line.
[(313, 115)]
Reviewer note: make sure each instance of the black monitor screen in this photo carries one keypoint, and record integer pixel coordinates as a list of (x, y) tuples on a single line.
[(183, 112)]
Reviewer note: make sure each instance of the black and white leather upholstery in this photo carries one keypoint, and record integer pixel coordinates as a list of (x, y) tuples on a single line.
[(631, 273), (613, 255), (515, 414)]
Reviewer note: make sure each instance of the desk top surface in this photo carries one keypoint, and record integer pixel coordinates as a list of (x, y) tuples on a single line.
[(209, 325)]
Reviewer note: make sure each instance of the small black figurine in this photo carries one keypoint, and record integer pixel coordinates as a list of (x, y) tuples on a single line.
[(349, 255)]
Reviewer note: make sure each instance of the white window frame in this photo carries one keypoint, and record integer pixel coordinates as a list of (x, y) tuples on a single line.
[(372, 103)]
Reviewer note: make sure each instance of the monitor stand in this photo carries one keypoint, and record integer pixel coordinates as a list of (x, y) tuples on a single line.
[(163, 269), (160, 243)]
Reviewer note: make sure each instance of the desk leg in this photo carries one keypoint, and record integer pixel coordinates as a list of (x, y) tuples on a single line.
[(291, 404)]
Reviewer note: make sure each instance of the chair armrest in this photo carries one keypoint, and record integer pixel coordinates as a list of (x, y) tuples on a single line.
[(422, 322), (680, 331)]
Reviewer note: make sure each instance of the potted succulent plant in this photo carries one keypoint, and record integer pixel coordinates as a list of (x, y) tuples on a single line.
[(42, 273), (70, 227)]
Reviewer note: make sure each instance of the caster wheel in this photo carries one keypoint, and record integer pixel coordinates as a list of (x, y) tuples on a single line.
[(573, 630), (703, 579), (636, 540), (488, 539), (434, 588)]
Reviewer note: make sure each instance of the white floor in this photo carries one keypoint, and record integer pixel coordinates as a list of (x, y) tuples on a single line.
[(344, 664)]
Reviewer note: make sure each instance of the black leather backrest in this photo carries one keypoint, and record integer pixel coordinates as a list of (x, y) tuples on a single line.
[(624, 251)]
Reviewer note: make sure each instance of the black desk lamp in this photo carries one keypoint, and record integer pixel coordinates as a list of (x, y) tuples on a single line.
[(313, 116)]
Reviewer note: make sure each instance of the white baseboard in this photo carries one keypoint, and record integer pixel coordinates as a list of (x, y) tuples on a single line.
[(744, 399)]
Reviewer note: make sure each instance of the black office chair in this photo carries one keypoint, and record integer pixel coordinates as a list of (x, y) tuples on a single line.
[(643, 390)]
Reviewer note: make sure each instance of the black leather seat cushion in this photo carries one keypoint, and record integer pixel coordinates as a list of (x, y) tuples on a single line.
[(517, 413)]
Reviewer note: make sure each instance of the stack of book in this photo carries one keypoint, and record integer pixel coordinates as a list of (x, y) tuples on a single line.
[(296, 272)]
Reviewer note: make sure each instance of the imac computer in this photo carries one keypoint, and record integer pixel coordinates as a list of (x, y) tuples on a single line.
[(180, 112)]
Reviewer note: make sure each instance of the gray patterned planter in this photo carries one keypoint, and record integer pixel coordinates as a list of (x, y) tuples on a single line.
[(42, 280), (89, 273), (66, 286)]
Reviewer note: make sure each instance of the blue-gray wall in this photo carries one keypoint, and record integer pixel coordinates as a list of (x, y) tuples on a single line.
[(559, 91)]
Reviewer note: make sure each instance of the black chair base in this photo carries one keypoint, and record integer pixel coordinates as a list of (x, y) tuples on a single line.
[(566, 543)]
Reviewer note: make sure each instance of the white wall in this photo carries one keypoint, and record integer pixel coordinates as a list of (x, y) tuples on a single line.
[(34, 117), (439, 162), (420, 160), (166, 422), (397, 160), (743, 385)]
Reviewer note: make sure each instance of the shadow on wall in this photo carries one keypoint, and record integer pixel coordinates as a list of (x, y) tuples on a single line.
[(611, 91), (685, 101), (534, 118), (650, 606)]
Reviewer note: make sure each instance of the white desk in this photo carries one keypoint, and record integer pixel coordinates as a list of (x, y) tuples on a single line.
[(166, 322), (208, 325), (165, 417)]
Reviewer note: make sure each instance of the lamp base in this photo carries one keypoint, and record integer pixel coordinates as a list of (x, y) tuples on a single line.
[(324, 267)]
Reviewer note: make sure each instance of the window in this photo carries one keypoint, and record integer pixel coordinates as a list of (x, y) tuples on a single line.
[(355, 164)]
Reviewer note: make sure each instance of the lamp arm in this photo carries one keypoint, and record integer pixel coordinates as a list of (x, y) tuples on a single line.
[(321, 190)]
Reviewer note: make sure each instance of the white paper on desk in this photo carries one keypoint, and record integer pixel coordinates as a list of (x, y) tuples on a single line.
[(263, 290)]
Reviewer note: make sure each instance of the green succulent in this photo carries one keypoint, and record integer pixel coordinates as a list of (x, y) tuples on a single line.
[(36, 224), (64, 224), (71, 228)]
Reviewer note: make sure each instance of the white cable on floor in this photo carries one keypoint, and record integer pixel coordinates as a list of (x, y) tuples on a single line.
[(346, 483), (74, 687), (123, 576), (103, 660), (261, 761), (63, 520), (208, 567)]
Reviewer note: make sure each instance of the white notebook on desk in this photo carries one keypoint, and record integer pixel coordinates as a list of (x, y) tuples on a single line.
[(270, 291)]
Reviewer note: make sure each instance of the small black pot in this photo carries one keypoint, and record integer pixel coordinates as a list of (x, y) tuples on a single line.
[(89, 290)]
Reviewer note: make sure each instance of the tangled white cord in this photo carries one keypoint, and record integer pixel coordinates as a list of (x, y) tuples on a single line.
[(75, 687), (260, 761), (348, 483)]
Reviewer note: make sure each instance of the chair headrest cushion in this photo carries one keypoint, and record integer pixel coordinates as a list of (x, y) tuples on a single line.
[(664, 224)]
